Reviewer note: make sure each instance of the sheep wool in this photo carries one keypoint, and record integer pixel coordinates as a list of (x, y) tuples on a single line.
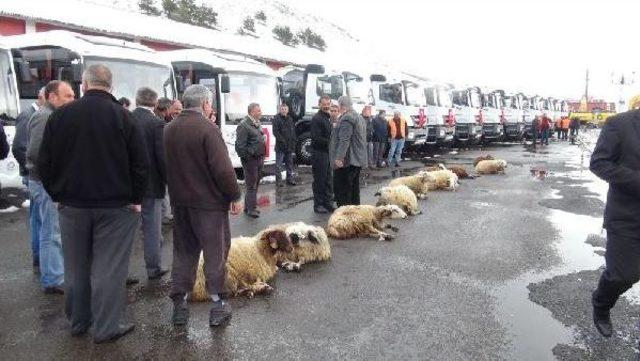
[(444, 180), (363, 221), (481, 158), (400, 196), (418, 183), (495, 166), (310, 244)]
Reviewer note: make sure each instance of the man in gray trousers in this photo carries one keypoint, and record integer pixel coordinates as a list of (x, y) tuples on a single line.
[(92, 162)]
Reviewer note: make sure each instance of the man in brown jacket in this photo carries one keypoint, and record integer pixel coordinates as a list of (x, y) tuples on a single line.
[(202, 187)]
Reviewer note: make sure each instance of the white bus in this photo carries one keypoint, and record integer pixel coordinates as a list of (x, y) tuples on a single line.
[(9, 110), (236, 82)]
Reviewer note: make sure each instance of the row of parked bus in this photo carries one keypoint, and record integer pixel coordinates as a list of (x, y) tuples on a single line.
[(437, 114)]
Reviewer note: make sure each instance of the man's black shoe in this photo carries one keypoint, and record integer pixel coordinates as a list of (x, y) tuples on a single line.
[(54, 290), (253, 213), (320, 210), (292, 183), (219, 314), (80, 330), (158, 275), (180, 313), (602, 320), (132, 281), (123, 330), (330, 208)]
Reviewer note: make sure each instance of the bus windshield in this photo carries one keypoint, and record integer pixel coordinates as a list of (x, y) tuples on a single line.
[(391, 93), (247, 88), (8, 96), (129, 76)]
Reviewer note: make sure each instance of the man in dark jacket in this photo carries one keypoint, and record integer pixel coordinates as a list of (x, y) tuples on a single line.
[(535, 130), (152, 128), (44, 213), (380, 135), (251, 148), (574, 127), (284, 130), (348, 151), (616, 159), (92, 162), (202, 185), (20, 140), (320, 162)]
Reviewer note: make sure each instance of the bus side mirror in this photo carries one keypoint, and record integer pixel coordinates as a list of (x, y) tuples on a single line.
[(225, 86), (180, 84), (76, 72), (25, 72), (314, 69)]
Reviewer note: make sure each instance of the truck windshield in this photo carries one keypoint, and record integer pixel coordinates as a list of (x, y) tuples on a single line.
[(508, 102), (359, 91), (431, 96), (129, 76), (247, 88), (460, 97), (415, 95), (8, 95), (475, 99), (391, 93), (330, 85), (444, 98)]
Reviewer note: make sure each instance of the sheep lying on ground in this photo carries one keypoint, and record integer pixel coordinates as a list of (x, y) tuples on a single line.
[(310, 244), (418, 183), (363, 221), (444, 179), (401, 196), (460, 171), (495, 166), (433, 168), (481, 158), (250, 264)]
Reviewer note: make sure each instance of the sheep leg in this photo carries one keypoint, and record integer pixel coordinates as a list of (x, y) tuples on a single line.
[(422, 196), (373, 232), (291, 266), (260, 288), (381, 225)]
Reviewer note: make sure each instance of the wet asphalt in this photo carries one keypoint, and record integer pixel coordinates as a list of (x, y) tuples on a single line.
[(500, 269)]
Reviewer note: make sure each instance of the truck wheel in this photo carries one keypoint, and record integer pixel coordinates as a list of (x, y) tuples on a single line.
[(303, 148)]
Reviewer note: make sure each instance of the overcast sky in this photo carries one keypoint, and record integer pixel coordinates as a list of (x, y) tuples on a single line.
[(540, 46)]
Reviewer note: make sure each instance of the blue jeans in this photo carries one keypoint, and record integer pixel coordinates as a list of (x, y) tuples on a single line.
[(395, 151), (544, 136), (284, 161), (34, 225), (51, 262), (152, 233)]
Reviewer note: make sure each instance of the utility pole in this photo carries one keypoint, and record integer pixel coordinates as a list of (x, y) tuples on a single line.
[(586, 87)]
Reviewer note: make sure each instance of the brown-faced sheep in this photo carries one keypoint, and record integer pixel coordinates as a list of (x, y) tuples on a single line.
[(418, 183), (495, 166), (400, 195), (460, 171), (251, 262), (444, 180), (363, 221), (481, 158), (310, 244)]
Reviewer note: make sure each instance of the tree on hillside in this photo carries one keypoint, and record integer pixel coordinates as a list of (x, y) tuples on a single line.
[(249, 24), (285, 36), (260, 15), (149, 7), (169, 8), (311, 39), (187, 11)]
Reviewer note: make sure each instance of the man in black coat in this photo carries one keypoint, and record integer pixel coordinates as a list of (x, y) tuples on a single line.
[(284, 130), (320, 161), (152, 128), (251, 148), (93, 162), (616, 159)]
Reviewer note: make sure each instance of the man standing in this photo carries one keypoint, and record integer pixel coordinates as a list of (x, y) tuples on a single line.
[(616, 159), (320, 162), (380, 135), (45, 213), (93, 162), (397, 135), (348, 153), (565, 128), (202, 185), (152, 128), (19, 150), (535, 130), (366, 115), (251, 148), (574, 126), (284, 130), (545, 126)]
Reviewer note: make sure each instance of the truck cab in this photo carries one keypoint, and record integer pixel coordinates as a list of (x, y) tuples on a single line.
[(414, 110), (440, 114), (512, 116), (301, 89), (534, 109), (468, 115), (235, 82), (358, 88), (9, 110), (493, 119)]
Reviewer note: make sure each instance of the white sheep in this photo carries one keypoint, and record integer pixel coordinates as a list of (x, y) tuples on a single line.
[(444, 179), (401, 196), (418, 183), (495, 166), (310, 244), (252, 261), (363, 221)]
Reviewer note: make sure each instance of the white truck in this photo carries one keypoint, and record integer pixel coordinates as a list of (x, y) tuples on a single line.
[(235, 82), (468, 115), (301, 89), (440, 114), (512, 116), (9, 110), (492, 116)]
